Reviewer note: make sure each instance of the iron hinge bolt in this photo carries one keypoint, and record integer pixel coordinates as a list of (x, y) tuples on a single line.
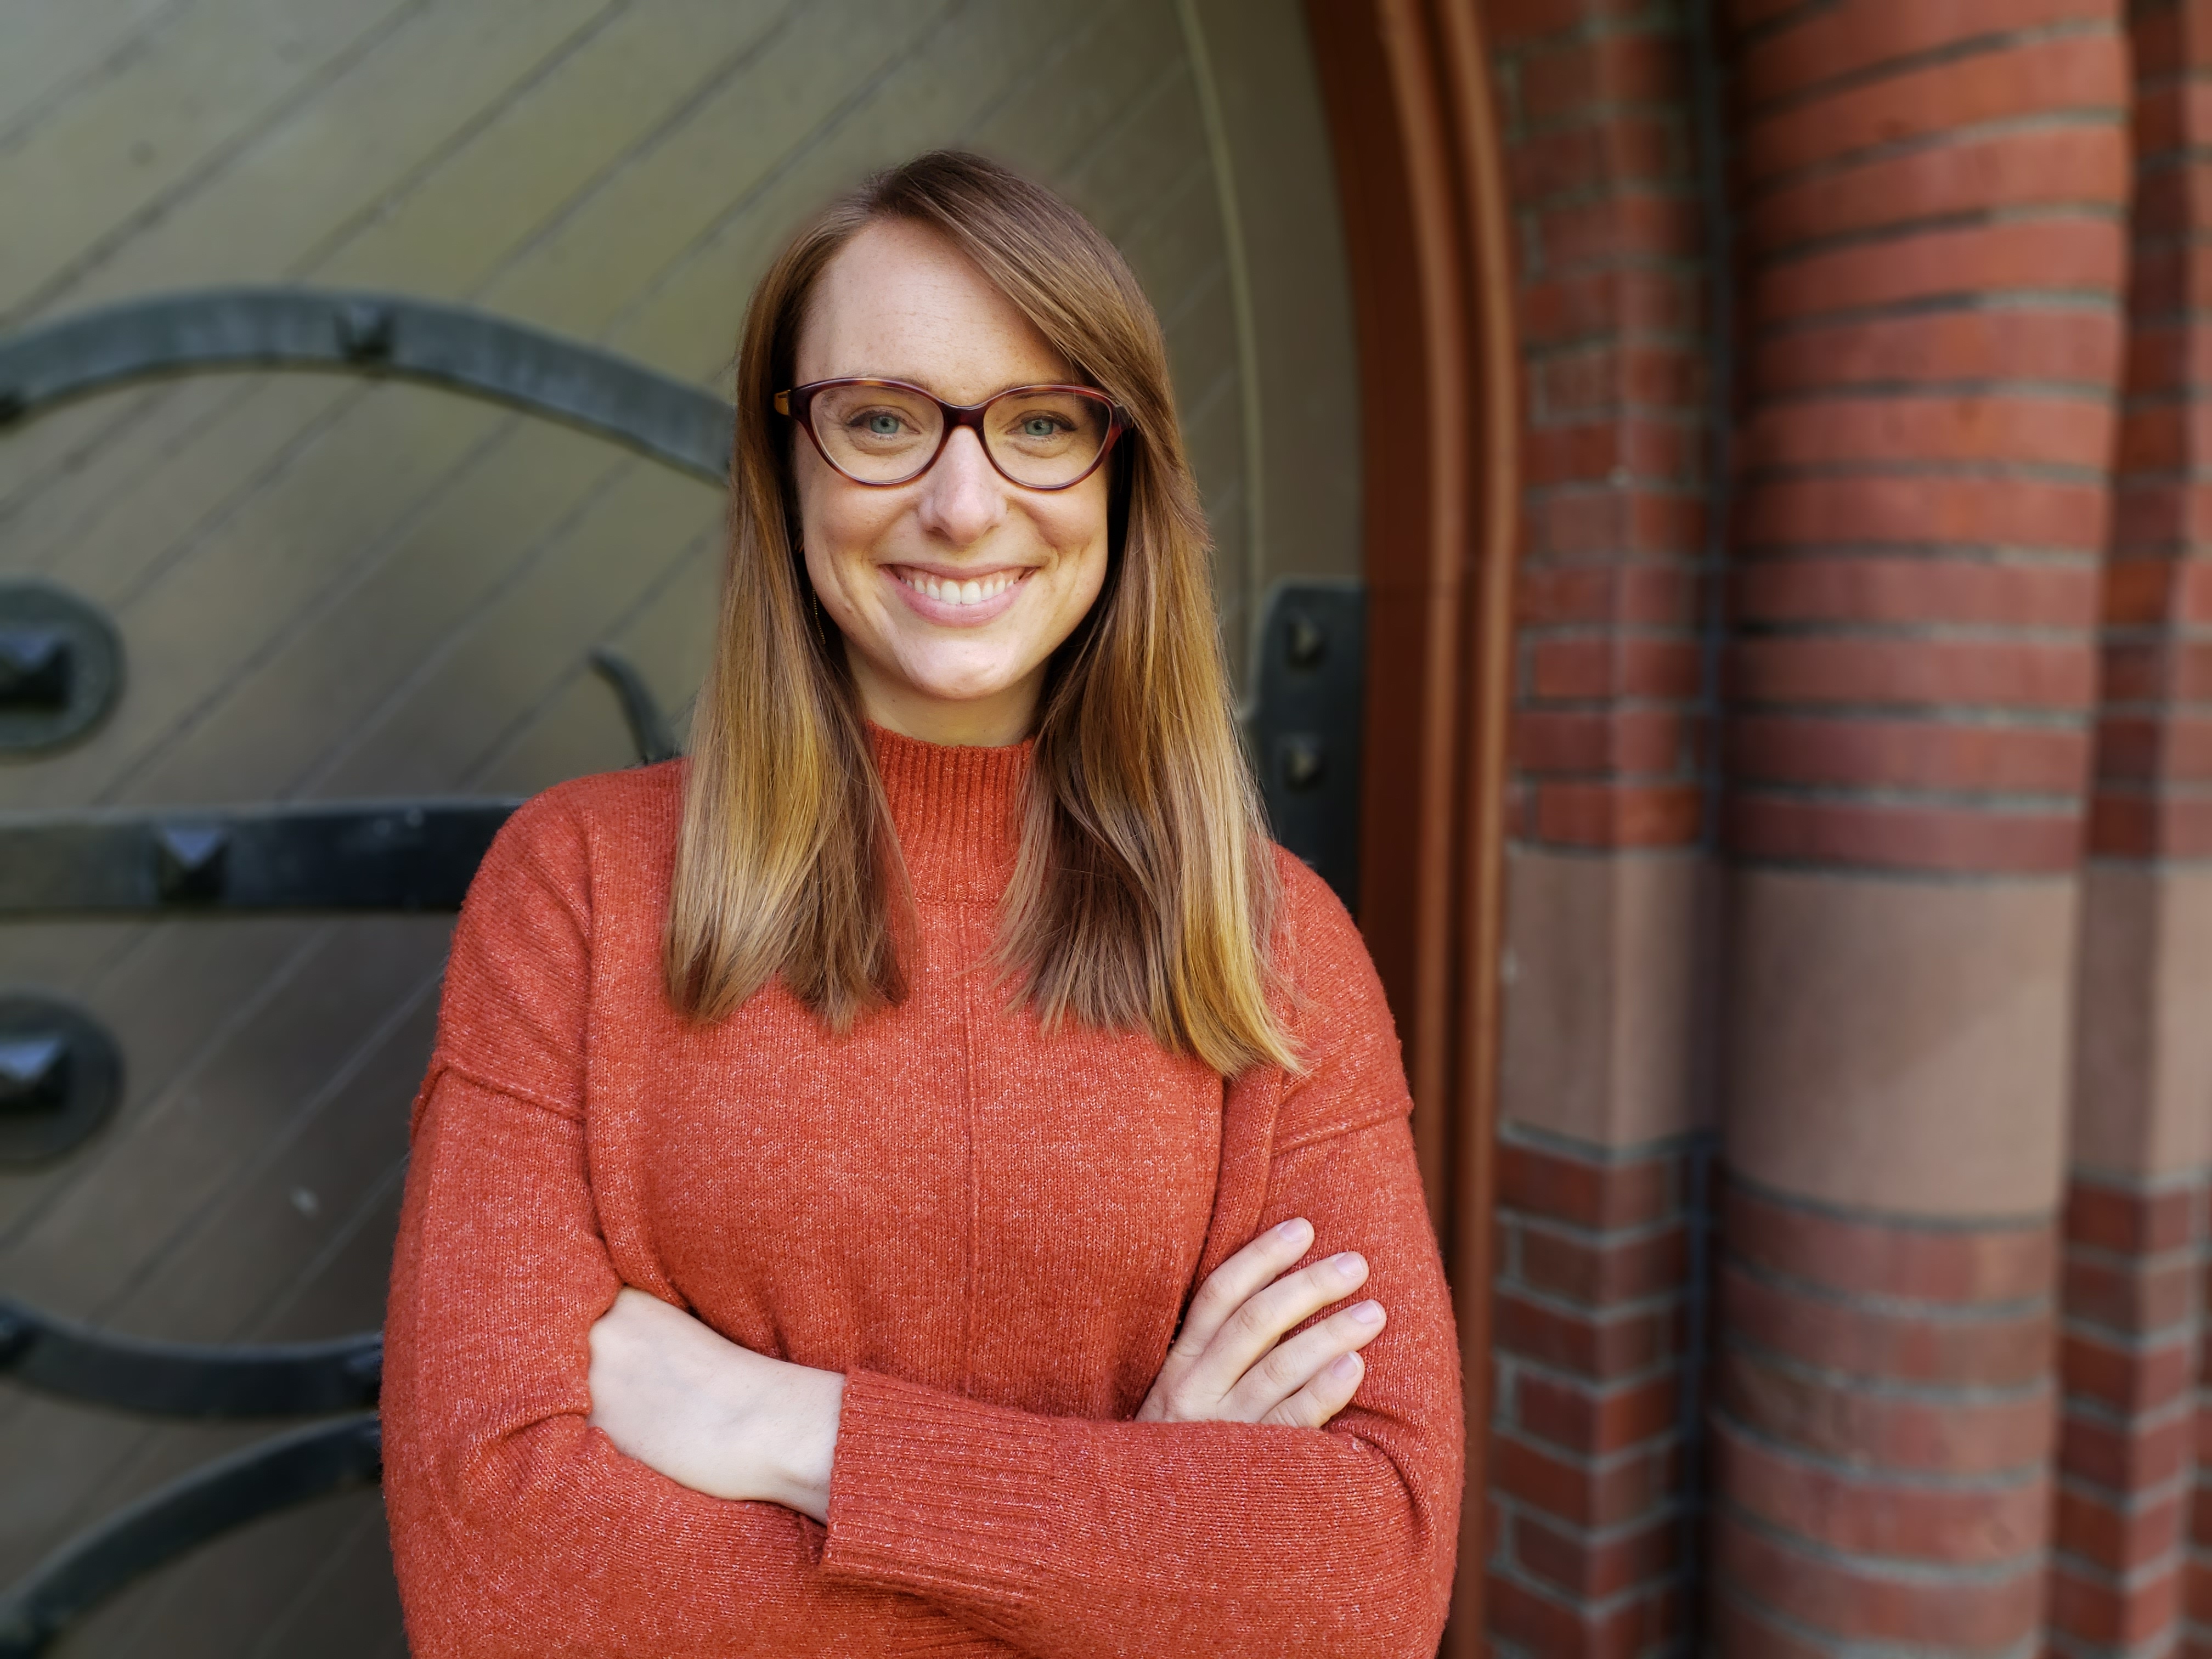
[(189, 861), (35, 668), (33, 1071), (365, 332), (1302, 761), (1305, 642)]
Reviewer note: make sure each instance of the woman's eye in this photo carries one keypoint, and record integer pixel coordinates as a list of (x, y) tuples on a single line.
[(1043, 426), (881, 424)]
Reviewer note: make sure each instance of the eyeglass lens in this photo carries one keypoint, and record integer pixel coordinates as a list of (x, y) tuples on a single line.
[(881, 435)]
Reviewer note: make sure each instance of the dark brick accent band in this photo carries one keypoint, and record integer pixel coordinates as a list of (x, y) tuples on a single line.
[(1883, 1409), (1588, 1471), (2128, 1358), (2154, 788)]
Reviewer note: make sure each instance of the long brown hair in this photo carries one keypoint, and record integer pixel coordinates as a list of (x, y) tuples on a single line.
[(1144, 894)]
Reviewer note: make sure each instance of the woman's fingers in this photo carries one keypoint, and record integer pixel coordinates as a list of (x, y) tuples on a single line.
[(1247, 1335), (1294, 1365), (1229, 1286), (1327, 1393)]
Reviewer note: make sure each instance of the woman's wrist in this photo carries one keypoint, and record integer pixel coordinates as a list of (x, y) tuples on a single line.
[(805, 1439)]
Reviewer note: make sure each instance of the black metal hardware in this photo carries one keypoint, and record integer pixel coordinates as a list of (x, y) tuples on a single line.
[(262, 1479), (60, 1077), (451, 346), (1306, 723), (378, 856), (60, 666), (185, 1379)]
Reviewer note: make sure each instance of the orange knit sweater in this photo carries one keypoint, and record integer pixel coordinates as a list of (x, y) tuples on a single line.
[(990, 1229)]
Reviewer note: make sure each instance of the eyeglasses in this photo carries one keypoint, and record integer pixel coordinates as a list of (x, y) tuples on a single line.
[(881, 432)]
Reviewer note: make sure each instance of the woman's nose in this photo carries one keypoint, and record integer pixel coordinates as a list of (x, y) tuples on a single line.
[(963, 497)]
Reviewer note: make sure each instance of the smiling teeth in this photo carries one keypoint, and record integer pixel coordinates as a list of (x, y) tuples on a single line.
[(974, 591)]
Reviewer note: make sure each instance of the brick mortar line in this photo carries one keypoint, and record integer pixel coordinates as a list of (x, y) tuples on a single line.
[(2175, 1488), (1950, 1314), (2085, 474), (1595, 1468), (1992, 803), (1928, 630), (1583, 1608), (1843, 1647), (2129, 1420), (1670, 1508), (1617, 1313), (2003, 555), (1891, 1569), (1679, 343), (2107, 302), (1573, 1233), (1518, 1364), (2136, 1340), (1961, 50), (1889, 1477), (1765, 255), (2058, 118), (2121, 1583), (1962, 390), (1656, 22), (1516, 1283), (1597, 1156), (1944, 1226), (1936, 1396), (1977, 717)]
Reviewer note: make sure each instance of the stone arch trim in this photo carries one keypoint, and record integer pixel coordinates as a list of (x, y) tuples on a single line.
[(1422, 181)]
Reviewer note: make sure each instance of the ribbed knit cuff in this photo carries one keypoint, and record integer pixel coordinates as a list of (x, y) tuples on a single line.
[(938, 1496)]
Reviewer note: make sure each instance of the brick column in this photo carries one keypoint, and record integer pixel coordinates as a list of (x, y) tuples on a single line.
[(1931, 199), (1606, 882), (2143, 1083)]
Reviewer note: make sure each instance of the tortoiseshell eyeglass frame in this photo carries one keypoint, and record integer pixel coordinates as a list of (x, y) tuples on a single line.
[(799, 405)]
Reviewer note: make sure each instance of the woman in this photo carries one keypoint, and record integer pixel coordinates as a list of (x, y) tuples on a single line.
[(824, 1134)]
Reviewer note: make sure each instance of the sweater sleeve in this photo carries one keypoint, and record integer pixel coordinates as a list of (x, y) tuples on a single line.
[(1073, 1537), (517, 1528)]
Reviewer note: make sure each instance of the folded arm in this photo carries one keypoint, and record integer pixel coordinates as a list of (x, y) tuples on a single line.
[(518, 1528)]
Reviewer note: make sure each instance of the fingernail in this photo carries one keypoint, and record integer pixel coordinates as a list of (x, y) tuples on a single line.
[(1368, 1312), (1348, 1265), (1346, 1368), (1292, 1228)]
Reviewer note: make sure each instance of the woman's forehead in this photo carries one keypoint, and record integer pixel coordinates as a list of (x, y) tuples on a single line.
[(900, 302)]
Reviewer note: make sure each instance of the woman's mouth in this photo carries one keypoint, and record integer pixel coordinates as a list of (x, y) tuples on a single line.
[(974, 590), (957, 600)]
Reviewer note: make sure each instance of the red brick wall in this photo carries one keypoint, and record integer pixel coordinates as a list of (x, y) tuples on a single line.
[(1607, 216), (2128, 1366), (1590, 1534), (1930, 201), (1587, 1471)]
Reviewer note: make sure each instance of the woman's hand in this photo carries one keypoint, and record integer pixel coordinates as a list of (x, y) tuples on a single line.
[(708, 1414), (1230, 1363)]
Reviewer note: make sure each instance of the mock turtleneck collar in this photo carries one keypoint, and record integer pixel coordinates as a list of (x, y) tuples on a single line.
[(955, 811)]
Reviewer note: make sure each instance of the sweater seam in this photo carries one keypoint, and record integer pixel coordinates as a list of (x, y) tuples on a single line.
[(520, 1093)]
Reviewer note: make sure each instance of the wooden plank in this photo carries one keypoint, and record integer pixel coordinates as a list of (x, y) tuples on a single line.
[(437, 735), (159, 1170), (350, 1609), (611, 242), (230, 592), (394, 111), (276, 721), (56, 46), (200, 88), (919, 100), (185, 988)]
